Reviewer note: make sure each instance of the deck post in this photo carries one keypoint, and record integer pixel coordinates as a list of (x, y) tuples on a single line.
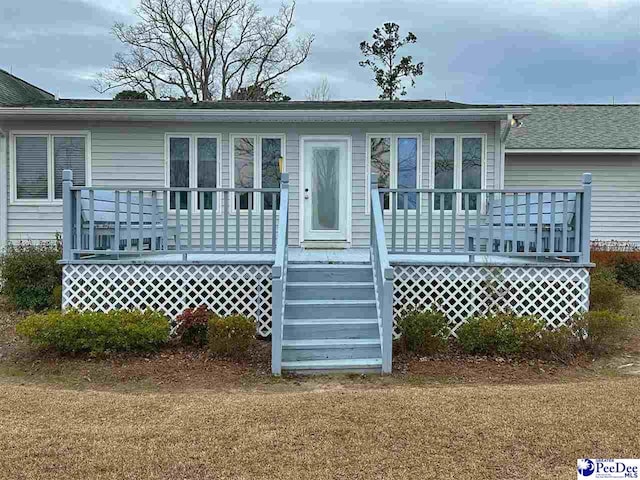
[(586, 218), (67, 215)]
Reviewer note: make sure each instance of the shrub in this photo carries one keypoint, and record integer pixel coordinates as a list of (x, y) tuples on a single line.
[(230, 336), (601, 331), (628, 273), (424, 332), (193, 325), (30, 273), (501, 333), (119, 330), (605, 293), (556, 344)]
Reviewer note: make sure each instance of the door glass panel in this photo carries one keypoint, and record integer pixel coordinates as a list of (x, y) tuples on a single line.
[(444, 163), (381, 163), (472, 167), (271, 158), (325, 206), (207, 169), (178, 170), (243, 157), (407, 170)]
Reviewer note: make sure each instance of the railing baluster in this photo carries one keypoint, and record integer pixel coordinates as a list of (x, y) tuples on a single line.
[(503, 242), (454, 214), (201, 201), (577, 222), (262, 197), (489, 213), (441, 222), (393, 198), (514, 246), (249, 220), (189, 220), (140, 220), (154, 206), (274, 223), (225, 214), (465, 206), (478, 211), (539, 246), (117, 221), (565, 206), (429, 220), (418, 213), (92, 224), (406, 221), (177, 198), (214, 219), (527, 221), (552, 223), (129, 229), (78, 195), (165, 220), (238, 196)]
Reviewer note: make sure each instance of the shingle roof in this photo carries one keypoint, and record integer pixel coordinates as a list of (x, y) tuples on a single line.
[(578, 127), (15, 90), (246, 105)]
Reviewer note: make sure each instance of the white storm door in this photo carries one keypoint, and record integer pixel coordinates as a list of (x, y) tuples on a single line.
[(325, 189)]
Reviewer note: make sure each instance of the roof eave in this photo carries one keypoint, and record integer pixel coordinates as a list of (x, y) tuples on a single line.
[(575, 151)]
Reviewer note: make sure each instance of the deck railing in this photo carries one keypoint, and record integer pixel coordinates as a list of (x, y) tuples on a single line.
[(383, 276), (541, 223), (279, 278), (116, 221)]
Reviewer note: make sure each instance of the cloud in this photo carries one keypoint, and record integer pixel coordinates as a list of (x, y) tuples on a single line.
[(478, 52)]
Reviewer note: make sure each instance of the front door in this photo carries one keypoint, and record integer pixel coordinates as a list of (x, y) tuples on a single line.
[(325, 189)]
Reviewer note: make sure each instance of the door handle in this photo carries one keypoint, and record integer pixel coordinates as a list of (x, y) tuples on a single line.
[(306, 193)]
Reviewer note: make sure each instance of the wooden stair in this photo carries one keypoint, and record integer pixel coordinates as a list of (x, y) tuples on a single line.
[(330, 319)]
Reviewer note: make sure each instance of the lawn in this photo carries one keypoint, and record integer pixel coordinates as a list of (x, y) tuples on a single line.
[(178, 414)]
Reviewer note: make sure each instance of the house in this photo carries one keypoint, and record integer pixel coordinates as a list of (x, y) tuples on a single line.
[(557, 142), (324, 221)]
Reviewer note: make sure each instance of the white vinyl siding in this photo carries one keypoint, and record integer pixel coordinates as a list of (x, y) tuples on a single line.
[(129, 154), (615, 213)]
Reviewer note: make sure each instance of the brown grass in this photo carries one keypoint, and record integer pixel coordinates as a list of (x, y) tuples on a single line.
[(487, 432)]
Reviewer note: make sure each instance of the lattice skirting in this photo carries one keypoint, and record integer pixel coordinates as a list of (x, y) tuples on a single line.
[(225, 289), (553, 293)]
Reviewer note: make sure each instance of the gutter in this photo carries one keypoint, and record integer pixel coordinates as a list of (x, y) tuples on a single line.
[(585, 151), (259, 115)]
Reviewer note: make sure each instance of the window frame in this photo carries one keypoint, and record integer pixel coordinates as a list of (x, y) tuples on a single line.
[(257, 164), (457, 165), (49, 134), (393, 171), (193, 165)]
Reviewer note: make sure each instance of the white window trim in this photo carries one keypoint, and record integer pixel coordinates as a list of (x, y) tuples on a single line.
[(457, 164), (257, 163), (193, 164), (394, 163), (13, 180)]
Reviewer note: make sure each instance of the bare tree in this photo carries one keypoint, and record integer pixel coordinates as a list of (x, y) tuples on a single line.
[(321, 92), (205, 50)]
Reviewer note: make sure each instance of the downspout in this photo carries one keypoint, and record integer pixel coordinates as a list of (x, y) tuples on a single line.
[(4, 195)]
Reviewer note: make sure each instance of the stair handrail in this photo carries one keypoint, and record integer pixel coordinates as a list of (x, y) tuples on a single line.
[(279, 277), (383, 276)]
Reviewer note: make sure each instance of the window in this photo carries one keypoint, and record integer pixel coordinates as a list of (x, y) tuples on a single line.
[(39, 160), (458, 163), (193, 163), (397, 162), (257, 161)]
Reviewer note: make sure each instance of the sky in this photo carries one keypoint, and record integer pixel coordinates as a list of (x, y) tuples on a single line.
[(527, 51)]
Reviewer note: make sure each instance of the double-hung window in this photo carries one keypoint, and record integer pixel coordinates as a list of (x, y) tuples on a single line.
[(256, 162), (38, 160), (396, 160), (193, 161), (458, 162)]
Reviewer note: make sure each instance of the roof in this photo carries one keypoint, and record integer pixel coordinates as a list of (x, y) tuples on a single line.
[(248, 105), (14, 90), (575, 127)]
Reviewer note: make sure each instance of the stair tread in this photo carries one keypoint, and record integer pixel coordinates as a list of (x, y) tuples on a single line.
[(330, 284), (330, 321), (324, 266), (332, 342), (330, 302), (333, 364)]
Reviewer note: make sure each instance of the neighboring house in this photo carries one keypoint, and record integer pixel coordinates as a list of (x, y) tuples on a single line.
[(558, 142), (385, 205), (14, 90)]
